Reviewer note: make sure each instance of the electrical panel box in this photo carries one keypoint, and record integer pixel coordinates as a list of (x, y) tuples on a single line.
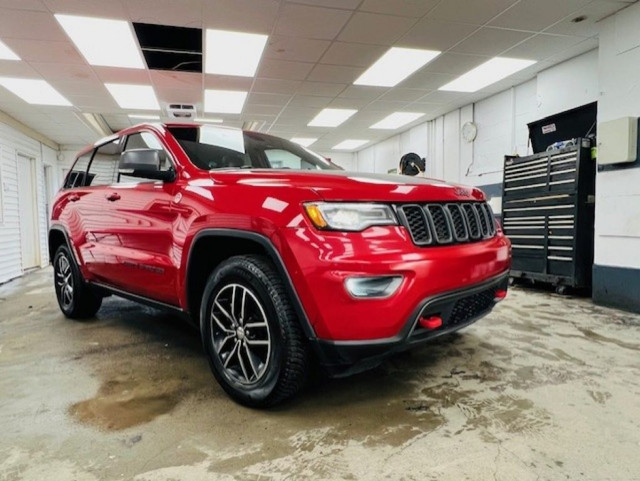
[(618, 141)]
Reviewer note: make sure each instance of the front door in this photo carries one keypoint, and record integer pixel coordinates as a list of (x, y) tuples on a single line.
[(28, 208)]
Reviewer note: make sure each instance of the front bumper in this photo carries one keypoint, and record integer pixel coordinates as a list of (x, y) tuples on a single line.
[(458, 309)]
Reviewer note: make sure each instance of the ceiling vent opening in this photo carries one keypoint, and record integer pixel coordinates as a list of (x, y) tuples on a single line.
[(181, 111), (177, 49)]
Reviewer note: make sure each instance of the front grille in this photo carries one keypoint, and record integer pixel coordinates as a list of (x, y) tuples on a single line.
[(445, 224), (471, 306)]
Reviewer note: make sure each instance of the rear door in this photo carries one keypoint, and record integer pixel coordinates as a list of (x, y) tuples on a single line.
[(132, 227)]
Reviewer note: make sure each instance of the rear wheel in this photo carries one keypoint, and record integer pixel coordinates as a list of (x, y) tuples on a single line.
[(75, 297), (251, 335)]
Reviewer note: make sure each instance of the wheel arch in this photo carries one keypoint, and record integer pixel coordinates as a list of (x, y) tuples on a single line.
[(58, 236), (230, 242)]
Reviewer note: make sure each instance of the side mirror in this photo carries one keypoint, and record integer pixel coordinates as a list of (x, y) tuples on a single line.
[(145, 163)]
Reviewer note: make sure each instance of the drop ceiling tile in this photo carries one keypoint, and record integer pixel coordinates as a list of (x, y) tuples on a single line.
[(427, 80), (241, 15), (405, 95), (389, 105), (268, 99), (10, 68), (123, 75), (310, 101), (275, 86), (405, 8), (183, 96), (310, 22), (90, 8), (374, 28), (94, 103), (25, 5), (269, 110), (45, 51), (345, 103), (295, 48), (536, 15), (436, 34), (225, 82), (491, 41), (185, 13), (594, 12), (284, 69), (542, 46), (321, 88), (363, 92), (454, 63), (343, 4), (58, 71), (176, 80), (79, 87), (334, 73), (353, 54), (440, 97), (464, 11), (30, 25)]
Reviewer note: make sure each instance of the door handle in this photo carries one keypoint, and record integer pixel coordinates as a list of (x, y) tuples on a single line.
[(113, 197), (74, 198)]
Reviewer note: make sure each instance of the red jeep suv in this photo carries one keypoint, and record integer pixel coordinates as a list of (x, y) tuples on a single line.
[(276, 255)]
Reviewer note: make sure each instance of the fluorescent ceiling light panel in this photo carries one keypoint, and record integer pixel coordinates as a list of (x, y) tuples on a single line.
[(304, 141), (233, 53), (34, 91), (224, 101), (6, 53), (129, 96), (103, 42), (397, 120), (208, 121), (350, 144), (486, 74), (144, 117), (395, 66), (331, 117)]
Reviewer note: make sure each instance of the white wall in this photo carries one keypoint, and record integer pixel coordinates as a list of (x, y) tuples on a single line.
[(13, 142), (618, 191)]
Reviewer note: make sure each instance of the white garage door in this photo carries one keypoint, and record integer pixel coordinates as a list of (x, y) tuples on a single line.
[(28, 212)]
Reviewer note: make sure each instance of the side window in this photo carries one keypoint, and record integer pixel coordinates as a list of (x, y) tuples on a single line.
[(103, 169), (76, 177), (283, 159), (144, 140)]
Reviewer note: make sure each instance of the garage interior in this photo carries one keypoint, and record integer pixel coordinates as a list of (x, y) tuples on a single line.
[(546, 387)]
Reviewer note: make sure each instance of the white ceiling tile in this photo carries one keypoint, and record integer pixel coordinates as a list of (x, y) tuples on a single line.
[(275, 86), (406, 8), (491, 41), (536, 15), (389, 105), (176, 95), (542, 46), (594, 12), (84, 87), (310, 101), (24, 5), (427, 80), (343, 4), (374, 28), (268, 99), (454, 63), (243, 15), (10, 68), (353, 54), (311, 22), (346, 103), (92, 8), (176, 80), (441, 97), (283, 69), (122, 75), (45, 51), (59, 71), (473, 12), (406, 95), (30, 25), (321, 88), (295, 48), (185, 13), (269, 110), (94, 103), (363, 92), (334, 73), (227, 83), (436, 34)]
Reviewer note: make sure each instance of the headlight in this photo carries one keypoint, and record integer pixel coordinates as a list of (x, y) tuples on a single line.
[(349, 217)]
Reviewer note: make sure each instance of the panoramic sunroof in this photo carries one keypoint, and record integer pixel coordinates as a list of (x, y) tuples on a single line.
[(170, 48)]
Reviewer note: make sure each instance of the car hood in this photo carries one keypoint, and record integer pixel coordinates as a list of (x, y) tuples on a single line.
[(339, 185)]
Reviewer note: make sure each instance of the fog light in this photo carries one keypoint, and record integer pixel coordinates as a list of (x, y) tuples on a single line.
[(380, 286)]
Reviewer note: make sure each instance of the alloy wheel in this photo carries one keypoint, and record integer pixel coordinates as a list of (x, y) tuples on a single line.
[(64, 281), (240, 334)]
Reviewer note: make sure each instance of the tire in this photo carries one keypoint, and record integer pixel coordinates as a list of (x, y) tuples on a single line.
[(257, 353), (76, 298)]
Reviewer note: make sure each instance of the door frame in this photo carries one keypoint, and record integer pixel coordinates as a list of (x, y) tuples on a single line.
[(35, 218)]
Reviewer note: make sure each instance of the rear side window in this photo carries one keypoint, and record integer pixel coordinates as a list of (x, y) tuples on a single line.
[(76, 177), (103, 169)]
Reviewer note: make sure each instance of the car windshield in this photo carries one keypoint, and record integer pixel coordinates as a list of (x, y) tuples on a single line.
[(210, 148)]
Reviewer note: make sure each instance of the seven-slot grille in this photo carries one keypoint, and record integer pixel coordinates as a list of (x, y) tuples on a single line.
[(437, 224)]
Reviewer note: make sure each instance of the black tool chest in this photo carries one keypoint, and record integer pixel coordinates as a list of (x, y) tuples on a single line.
[(548, 214)]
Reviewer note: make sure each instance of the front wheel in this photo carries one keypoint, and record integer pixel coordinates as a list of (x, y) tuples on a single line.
[(251, 334), (75, 297)]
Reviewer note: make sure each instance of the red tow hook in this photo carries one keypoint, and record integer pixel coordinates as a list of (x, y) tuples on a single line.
[(500, 295), (431, 323)]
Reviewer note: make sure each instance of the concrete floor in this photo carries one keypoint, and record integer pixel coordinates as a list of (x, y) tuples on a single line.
[(547, 387)]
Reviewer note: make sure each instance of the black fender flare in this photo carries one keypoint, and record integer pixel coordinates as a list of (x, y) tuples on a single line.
[(275, 257)]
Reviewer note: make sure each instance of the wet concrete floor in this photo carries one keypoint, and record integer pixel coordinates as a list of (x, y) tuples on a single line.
[(546, 387)]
